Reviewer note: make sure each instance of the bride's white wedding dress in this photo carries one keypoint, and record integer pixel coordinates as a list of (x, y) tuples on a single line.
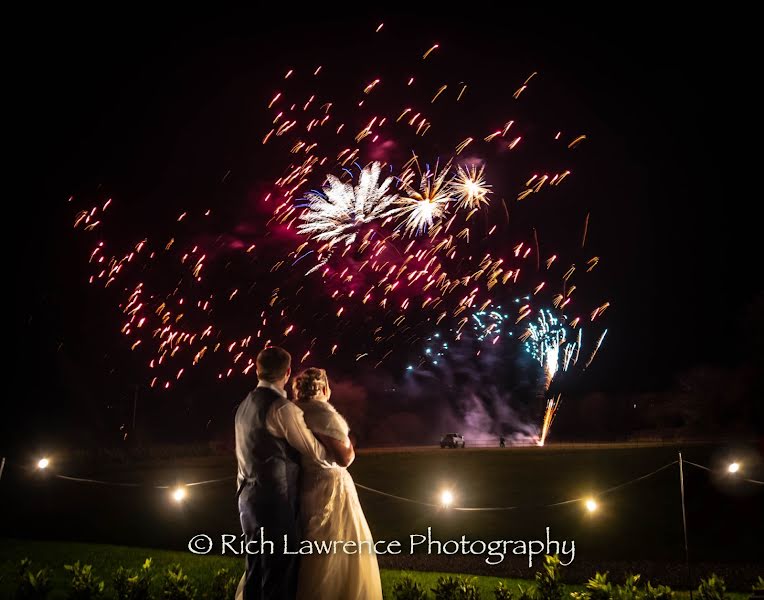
[(330, 511)]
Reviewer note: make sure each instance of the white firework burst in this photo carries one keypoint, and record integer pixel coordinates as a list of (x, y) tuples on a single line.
[(424, 206), (336, 213), (470, 187)]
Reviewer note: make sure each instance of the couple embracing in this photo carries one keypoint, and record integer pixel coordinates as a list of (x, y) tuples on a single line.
[(293, 485)]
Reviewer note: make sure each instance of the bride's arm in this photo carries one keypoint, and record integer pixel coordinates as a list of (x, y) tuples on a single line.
[(342, 452)]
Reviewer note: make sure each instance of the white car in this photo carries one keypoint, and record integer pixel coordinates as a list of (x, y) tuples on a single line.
[(452, 440)]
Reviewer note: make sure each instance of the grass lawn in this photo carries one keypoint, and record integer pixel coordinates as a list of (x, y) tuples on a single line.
[(106, 559), (638, 522)]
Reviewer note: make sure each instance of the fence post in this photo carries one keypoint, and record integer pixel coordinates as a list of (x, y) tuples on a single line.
[(684, 525)]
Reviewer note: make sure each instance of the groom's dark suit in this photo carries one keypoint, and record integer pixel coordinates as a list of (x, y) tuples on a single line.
[(269, 432)]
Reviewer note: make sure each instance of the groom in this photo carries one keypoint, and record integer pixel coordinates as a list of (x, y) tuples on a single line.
[(271, 436)]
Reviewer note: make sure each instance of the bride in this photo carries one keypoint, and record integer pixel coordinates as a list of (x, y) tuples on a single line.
[(329, 504)]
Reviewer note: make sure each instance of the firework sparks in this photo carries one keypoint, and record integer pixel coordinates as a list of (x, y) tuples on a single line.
[(551, 410), (543, 340), (426, 205), (336, 213), (426, 54), (404, 248), (596, 347), (470, 187)]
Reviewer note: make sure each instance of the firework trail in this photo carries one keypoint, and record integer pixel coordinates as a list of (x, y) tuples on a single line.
[(549, 414)]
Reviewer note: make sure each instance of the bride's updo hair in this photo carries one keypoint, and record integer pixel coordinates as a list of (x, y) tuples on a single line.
[(309, 384)]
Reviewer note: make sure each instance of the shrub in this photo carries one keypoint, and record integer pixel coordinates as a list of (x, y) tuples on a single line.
[(455, 588), (502, 592), (712, 588), (223, 585), (130, 585), (597, 588), (759, 585), (406, 588), (659, 592), (84, 584), (548, 584), (630, 589), (526, 593), (176, 585), (32, 585)]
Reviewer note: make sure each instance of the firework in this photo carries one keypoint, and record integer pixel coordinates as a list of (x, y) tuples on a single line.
[(543, 340), (596, 348), (422, 207), (470, 187), (398, 249), (547, 341), (416, 256), (489, 324), (336, 213), (551, 410)]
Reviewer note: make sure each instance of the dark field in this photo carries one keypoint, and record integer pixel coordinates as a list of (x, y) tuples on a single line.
[(638, 526)]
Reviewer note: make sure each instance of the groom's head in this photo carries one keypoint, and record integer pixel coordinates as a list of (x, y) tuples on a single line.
[(274, 365)]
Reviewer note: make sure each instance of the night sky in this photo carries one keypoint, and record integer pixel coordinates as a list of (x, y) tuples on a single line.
[(152, 110)]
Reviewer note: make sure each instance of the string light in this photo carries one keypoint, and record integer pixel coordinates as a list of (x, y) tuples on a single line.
[(446, 497), (179, 494)]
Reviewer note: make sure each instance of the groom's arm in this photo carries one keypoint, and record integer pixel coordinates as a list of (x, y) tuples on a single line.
[(287, 421), (342, 451)]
